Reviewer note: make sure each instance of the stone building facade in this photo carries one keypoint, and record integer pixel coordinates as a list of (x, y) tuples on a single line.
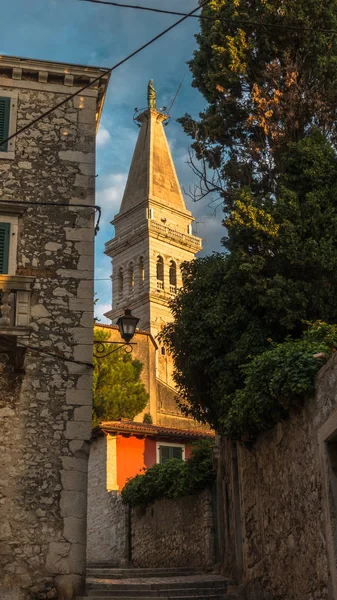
[(278, 503), (47, 194)]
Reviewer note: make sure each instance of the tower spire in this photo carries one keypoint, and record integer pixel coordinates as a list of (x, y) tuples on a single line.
[(153, 230), (152, 173)]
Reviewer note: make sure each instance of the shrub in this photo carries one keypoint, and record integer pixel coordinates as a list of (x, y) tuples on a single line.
[(173, 479), (279, 379)]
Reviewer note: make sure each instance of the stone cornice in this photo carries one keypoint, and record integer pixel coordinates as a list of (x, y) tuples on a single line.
[(12, 209), (19, 66), (53, 76), (150, 202)]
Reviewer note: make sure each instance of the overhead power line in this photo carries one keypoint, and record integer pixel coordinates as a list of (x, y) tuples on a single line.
[(210, 18), (64, 204), (4, 350), (107, 72)]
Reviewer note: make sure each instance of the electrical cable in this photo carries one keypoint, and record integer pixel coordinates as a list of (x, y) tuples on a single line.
[(209, 18), (175, 96), (37, 349), (107, 72), (36, 203)]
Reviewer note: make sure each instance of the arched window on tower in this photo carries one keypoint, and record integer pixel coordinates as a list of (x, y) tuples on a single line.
[(131, 277), (160, 273), (120, 282), (141, 271), (173, 277)]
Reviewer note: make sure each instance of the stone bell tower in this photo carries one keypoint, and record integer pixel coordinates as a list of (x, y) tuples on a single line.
[(153, 231)]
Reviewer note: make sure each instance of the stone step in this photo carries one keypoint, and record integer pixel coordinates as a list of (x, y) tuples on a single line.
[(145, 587), (98, 570), (107, 596), (160, 593)]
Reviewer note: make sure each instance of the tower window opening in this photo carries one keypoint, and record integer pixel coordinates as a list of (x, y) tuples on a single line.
[(141, 270), (163, 351), (160, 273), (132, 277), (120, 282), (173, 277)]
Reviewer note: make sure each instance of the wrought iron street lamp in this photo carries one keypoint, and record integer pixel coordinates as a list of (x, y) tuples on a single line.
[(127, 324)]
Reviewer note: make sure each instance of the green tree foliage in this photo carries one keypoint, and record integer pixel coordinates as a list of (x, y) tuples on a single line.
[(173, 479), (280, 270), (279, 379), (118, 390), (266, 84), (269, 137)]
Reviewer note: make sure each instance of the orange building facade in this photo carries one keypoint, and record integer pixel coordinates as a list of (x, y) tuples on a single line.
[(132, 447)]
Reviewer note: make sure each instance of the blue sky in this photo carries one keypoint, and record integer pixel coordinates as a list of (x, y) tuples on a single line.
[(79, 32)]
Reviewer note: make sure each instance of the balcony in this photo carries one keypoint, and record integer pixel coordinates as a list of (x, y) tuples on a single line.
[(191, 242), (15, 296)]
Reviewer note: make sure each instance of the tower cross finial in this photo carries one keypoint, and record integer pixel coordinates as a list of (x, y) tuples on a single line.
[(151, 95)]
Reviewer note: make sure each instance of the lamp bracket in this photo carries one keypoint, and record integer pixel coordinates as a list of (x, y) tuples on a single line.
[(100, 350)]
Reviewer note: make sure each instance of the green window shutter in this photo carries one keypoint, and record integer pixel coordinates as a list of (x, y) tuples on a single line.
[(5, 104), (4, 246)]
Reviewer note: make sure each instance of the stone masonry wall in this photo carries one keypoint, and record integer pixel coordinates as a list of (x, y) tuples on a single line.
[(108, 517), (45, 412), (174, 533), (281, 504)]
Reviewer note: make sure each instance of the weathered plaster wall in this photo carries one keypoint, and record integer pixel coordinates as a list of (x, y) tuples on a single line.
[(45, 413), (107, 525), (281, 495), (172, 533), (168, 412)]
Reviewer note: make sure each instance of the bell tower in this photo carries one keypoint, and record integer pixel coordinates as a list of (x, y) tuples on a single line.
[(153, 231)]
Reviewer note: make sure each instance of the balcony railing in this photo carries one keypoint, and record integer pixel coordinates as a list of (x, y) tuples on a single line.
[(187, 240), (160, 284), (173, 289), (15, 296)]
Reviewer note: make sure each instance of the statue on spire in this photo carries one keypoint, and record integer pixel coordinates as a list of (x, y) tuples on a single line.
[(151, 95)]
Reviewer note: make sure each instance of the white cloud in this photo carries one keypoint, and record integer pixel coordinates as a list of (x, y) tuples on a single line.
[(100, 309), (103, 137), (110, 194)]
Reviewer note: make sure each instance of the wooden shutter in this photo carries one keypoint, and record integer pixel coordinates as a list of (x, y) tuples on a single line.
[(4, 246), (5, 104)]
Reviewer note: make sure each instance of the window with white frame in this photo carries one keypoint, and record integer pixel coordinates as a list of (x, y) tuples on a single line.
[(167, 450), (8, 244), (8, 115)]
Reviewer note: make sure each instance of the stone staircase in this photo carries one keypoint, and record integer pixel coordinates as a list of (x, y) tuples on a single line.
[(106, 583)]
